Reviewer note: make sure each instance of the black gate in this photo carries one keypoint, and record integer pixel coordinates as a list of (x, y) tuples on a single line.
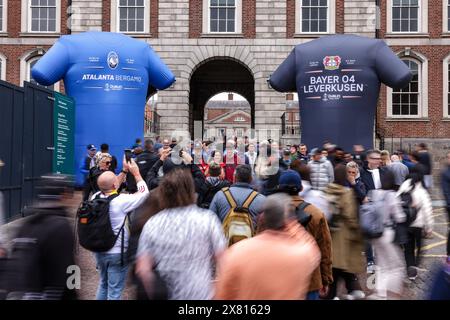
[(26, 142)]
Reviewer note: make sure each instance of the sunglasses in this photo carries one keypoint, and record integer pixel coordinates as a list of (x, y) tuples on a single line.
[(107, 162)]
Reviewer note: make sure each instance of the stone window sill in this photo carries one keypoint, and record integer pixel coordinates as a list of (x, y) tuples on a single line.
[(408, 120), (311, 35), (406, 35), (40, 34), (222, 35)]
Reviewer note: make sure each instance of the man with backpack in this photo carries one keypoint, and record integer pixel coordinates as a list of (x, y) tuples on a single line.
[(233, 204), (111, 259)]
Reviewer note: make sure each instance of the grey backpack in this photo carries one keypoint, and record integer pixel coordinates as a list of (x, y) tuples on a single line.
[(371, 218)]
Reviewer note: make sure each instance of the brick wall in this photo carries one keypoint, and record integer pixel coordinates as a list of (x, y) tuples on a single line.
[(435, 127), (106, 14), (340, 14), (290, 18), (13, 54), (154, 12), (195, 18), (249, 18), (14, 11)]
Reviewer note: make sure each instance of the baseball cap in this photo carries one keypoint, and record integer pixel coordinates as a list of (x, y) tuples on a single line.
[(290, 178), (91, 147), (315, 151)]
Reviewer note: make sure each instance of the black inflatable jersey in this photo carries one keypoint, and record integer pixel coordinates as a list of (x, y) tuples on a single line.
[(338, 81)]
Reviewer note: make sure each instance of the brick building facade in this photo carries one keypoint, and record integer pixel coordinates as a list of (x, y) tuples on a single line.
[(217, 46)]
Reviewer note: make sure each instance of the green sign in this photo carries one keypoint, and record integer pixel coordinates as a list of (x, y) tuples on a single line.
[(64, 135)]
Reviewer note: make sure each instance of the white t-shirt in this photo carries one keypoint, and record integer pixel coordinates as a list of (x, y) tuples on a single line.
[(376, 178), (118, 209)]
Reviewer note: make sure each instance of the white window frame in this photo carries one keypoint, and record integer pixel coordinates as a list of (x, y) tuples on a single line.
[(26, 18), (4, 25), (445, 86), (3, 68), (422, 24), (25, 63), (445, 26), (422, 112), (115, 18), (331, 18), (237, 17), (239, 119)]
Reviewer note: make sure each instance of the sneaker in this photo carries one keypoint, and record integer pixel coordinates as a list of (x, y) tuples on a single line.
[(412, 273), (357, 294), (371, 267), (336, 298)]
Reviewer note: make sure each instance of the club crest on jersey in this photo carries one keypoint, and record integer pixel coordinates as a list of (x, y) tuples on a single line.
[(113, 60), (332, 62)]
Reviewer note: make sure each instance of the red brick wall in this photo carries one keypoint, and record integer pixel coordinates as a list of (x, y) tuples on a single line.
[(195, 18), (13, 54), (340, 16), (154, 11), (248, 18), (435, 128), (106, 14), (14, 10), (64, 16), (290, 18)]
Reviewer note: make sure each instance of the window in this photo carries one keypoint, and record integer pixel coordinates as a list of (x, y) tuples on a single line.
[(131, 15), (3, 15), (2, 67), (42, 16), (446, 16), (410, 102), (239, 119), (222, 16), (297, 117), (446, 87), (239, 132), (405, 102), (315, 16), (407, 16)]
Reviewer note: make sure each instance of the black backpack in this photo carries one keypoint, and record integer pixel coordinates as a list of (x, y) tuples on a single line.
[(95, 232), (408, 209)]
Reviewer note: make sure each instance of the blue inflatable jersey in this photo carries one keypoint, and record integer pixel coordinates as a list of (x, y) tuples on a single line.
[(109, 76), (337, 79)]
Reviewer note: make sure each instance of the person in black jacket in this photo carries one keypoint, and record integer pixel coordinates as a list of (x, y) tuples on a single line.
[(371, 177), (354, 182), (42, 260), (104, 148), (167, 163), (213, 184)]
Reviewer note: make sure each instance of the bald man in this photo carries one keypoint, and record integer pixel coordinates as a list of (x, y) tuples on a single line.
[(399, 170), (111, 264)]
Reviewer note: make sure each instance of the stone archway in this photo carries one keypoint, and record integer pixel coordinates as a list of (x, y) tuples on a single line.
[(215, 76)]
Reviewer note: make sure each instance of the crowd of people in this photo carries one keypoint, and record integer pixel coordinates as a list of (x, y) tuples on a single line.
[(253, 220)]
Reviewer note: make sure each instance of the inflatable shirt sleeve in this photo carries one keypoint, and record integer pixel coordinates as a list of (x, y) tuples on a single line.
[(159, 75), (283, 79), (52, 66), (391, 70)]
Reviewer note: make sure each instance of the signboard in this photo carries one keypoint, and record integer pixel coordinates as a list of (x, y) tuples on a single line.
[(64, 134)]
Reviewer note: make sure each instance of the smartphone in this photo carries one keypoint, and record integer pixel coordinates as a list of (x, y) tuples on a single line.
[(128, 155)]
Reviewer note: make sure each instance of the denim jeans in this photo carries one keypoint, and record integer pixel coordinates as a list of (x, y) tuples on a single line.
[(112, 275)]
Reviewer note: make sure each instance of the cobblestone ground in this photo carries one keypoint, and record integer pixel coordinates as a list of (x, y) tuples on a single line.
[(433, 252)]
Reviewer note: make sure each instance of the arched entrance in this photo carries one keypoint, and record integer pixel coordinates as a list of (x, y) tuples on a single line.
[(214, 76)]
